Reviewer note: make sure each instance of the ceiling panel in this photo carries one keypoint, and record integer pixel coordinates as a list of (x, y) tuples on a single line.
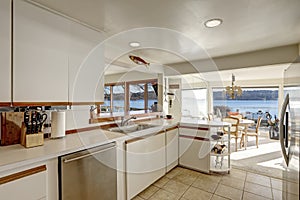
[(247, 25)]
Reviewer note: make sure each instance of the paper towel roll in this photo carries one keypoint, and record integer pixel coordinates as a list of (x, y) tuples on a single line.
[(58, 124)]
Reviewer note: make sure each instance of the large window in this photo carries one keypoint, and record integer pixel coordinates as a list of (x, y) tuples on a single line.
[(194, 102), (114, 96), (139, 95), (253, 102)]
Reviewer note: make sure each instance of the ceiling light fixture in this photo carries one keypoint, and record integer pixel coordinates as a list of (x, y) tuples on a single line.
[(134, 44), (233, 90), (211, 23)]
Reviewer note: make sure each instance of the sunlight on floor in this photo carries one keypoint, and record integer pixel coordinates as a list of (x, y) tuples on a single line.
[(253, 151), (275, 163)]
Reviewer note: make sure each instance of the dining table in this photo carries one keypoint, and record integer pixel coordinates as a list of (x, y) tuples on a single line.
[(245, 123)]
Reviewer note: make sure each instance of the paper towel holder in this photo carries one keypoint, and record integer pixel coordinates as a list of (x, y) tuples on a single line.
[(58, 124)]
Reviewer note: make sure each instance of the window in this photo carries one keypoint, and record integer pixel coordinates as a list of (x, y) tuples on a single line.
[(114, 95), (253, 102), (142, 95), (194, 102)]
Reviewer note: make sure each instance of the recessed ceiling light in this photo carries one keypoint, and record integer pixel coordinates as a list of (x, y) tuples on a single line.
[(134, 44), (213, 23)]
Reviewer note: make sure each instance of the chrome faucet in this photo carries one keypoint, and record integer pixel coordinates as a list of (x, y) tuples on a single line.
[(125, 121)]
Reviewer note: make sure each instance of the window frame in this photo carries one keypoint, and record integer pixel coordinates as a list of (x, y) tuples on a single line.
[(127, 90)]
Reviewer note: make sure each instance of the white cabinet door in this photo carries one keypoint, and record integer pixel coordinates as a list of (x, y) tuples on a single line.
[(86, 65), (40, 68), (172, 148), (194, 149), (5, 39), (32, 186), (145, 163)]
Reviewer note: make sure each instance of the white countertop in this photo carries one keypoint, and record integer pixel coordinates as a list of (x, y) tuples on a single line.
[(196, 122), (14, 156)]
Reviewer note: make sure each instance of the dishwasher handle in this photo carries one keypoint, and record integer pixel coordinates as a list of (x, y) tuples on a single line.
[(87, 155)]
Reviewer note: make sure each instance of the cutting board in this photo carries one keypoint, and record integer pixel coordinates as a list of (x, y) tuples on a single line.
[(11, 123)]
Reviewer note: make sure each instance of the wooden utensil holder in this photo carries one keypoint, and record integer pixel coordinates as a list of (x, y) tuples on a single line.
[(31, 140)]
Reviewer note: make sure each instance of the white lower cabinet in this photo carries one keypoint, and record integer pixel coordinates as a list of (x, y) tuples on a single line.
[(29, 183), (145, 162), (172, 148), (194, 148)]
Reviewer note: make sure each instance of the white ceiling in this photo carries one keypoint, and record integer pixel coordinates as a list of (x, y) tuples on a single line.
[(172, 31)]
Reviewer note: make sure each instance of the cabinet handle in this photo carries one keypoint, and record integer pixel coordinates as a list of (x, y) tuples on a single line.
[(87, 155), (22, 174)]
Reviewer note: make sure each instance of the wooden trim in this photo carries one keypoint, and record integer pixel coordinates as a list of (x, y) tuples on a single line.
[(146, 96), (22, 174), (172, 128), (133, 140), (85, 103), (72, 131), (111, 99), (194, 137), (5, 104), (127, 98), (160, 132), (196, 128), (114, 84), (22, 104), (101, 127), (143, 81), (110, 117)]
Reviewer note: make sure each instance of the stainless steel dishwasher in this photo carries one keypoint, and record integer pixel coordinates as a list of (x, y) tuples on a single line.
[(89, 174)]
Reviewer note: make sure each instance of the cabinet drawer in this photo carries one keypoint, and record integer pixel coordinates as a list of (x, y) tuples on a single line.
[(28, 184)]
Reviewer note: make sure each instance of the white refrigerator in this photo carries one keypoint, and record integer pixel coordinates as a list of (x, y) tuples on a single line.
[(290, 127)]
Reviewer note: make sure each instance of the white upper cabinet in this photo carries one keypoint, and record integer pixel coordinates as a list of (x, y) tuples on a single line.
[(40, 68), (5, 39), (86, 65), (55, 59)]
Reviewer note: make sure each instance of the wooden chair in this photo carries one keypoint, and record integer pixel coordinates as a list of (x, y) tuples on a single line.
[(252, 132), (210, 116), (239, 116), (234, 129)]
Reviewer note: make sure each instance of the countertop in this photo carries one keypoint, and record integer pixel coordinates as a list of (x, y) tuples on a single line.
[(16, 155), (196, 122)]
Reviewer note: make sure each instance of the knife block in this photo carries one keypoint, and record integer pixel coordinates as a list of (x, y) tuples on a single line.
[(31, 140)]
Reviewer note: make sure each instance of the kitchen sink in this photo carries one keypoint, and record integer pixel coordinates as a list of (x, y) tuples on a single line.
[(131, 128)]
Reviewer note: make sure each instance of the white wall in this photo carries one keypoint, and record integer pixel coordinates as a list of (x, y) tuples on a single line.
[(175, 110), (129, 76)]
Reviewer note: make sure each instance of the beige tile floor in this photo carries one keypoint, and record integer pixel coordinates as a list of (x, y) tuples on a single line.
[(185, 184)]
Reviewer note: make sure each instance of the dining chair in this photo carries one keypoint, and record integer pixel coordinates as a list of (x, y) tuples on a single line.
[(251, 132), (234, 129), (210, 116), (239, 116)]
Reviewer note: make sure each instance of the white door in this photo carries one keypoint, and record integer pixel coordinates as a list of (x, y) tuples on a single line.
[(5, 39), (194, 149), (145, 163), (40, 55), (172, 148), (86, 64)]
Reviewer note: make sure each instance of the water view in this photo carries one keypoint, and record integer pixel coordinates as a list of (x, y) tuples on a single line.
[(249, 108)]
